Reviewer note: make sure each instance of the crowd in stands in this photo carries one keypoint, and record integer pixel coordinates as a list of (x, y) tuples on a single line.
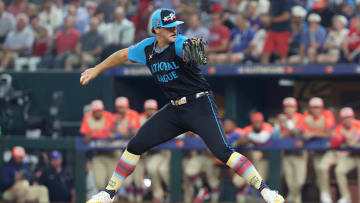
[(67, 34)]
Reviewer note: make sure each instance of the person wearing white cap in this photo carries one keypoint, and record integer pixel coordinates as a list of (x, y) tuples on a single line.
[(347, 132), (312, 41), (298, 14), (319, 123), (294, 163), (14, 181), (99, 124), (334, 40)]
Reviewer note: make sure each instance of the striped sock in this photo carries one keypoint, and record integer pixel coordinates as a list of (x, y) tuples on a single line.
[(124, 168), (244, 168)]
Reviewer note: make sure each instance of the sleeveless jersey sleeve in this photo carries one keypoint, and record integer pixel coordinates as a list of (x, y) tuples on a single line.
[(137, 52)]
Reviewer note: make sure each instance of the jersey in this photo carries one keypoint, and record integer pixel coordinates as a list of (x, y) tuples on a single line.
[(341, 133), (131, 120), (97, 128), (175, 77), (297, 121), (324, 122)]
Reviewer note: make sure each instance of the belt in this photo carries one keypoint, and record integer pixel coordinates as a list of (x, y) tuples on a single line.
[(184, 100)]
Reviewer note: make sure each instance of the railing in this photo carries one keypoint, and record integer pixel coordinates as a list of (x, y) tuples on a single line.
[(77, 146)]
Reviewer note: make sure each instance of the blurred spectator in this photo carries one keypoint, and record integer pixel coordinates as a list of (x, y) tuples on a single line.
[(14, 182), (107, 8), (141, 19), (126, 120), (351, 47), (334, 40), (278, 36), (202, 162), (120, 34), (312, 41), (88, 48), (294, 163), (348, 9), (348, 131), (241, 37), (32, 11), (7, 22), (18, 42), (17, 7), (58, 180), (50, 17), (65, 42), (91, 8), (257, 133), (196, 30), (40, 48), (219, 38), (253, 16), (232, 131), (99, 124), (257, 44), (322, 8), (297, 27), (91, 188), (319, 123), (80, 16)]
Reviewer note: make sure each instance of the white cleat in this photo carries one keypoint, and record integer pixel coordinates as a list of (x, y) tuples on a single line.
[(101, 197), (325, 197), (271, 196), (344, 200)]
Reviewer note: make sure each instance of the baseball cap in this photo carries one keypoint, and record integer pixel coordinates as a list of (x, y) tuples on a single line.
[(318, 4), (150, 104), (18, 152), (298, 11), (314, 18), (55, 154), (346, 112), (164, 18), (316, 102), (257, 116), (342, 19), (97, 105), (289, 101), (122, 102)]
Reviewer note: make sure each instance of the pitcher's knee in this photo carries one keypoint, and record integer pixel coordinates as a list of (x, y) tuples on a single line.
[(224, 154), (135, 147)]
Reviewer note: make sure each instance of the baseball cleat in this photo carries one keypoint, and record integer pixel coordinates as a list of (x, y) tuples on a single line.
[(202, 195), (271, 196), (101, 197)]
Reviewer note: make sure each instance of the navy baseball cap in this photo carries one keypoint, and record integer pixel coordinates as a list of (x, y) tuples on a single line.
[(164, 18), (55, 154)]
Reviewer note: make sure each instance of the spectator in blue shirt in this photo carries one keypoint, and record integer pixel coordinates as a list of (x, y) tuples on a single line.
[(241, 36), (58, 180), (14, 181), (311, 41)]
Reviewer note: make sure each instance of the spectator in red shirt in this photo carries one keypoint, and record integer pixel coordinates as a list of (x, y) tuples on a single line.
[(17, 7), (65, 42), (219, 37), (351, 47)]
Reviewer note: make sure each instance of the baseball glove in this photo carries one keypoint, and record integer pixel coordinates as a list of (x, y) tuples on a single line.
[(194, 52)]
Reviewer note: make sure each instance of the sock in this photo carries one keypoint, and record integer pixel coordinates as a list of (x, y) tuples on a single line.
[(244, 168), (124, 168), (196, 179)]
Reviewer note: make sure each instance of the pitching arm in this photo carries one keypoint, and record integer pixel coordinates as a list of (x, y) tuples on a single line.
[(114, 60)]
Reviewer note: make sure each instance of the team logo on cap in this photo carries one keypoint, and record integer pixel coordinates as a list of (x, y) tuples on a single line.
[(171, 16)]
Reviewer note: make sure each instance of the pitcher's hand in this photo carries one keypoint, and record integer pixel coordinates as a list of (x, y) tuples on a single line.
[(88, 75)]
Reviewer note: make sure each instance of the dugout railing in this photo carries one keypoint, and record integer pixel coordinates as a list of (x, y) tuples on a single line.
[(79, 149)]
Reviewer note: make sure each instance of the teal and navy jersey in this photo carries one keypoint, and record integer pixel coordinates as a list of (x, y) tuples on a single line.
[(175, 77)]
